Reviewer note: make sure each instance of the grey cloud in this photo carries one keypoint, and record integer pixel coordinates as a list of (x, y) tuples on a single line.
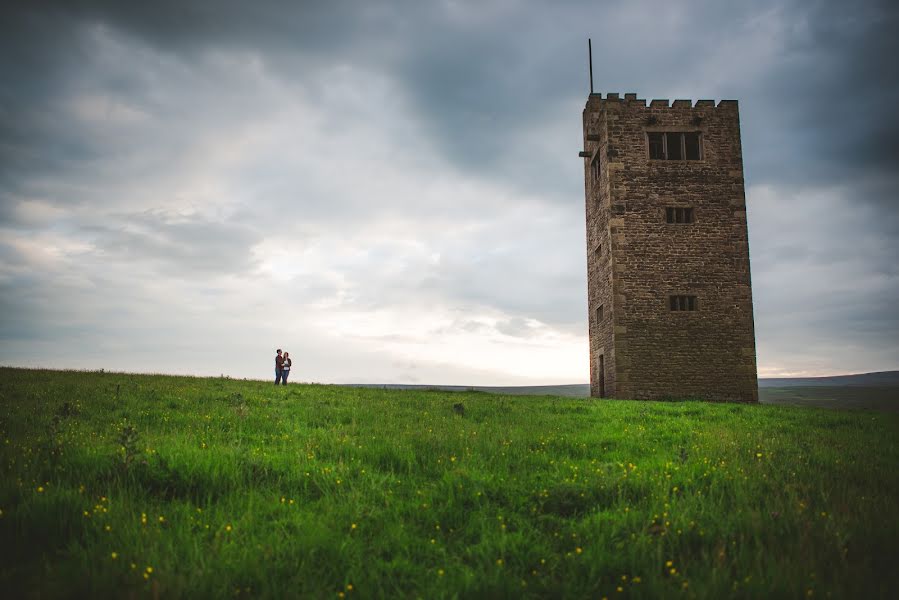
[(179, 26), (182, 246), (463, 324), (538, 273), (481, 92), (825, 282), (825, 111), (516, 328), (556, 298)]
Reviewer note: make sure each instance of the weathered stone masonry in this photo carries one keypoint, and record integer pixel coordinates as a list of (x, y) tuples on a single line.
[(637, 260)]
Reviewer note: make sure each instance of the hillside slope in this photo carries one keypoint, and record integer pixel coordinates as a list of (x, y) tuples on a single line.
[(116, 485)]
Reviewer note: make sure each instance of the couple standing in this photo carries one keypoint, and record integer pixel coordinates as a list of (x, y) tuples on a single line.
[(282, 367)]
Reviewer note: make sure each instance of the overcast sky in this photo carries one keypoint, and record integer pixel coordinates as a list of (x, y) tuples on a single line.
[(391, 190)]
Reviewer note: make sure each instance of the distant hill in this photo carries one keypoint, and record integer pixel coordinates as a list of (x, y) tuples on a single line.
[(880, 378), (582, 390), (877, 391)]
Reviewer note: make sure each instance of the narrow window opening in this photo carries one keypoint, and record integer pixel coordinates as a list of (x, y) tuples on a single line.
[(602, 377), (691, 145), (599, 314), (656, 145), (673, 146)]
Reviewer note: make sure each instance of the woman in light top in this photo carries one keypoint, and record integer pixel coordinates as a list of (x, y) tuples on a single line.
[(285, 368)]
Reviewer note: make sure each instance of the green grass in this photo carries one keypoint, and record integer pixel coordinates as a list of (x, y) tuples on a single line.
[(240, 489)]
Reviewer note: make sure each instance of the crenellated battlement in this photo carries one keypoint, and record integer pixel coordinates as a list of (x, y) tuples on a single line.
[(596, 102)]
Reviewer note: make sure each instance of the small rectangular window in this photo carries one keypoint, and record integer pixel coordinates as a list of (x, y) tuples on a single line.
[(602, 377), (599, 314), (596, 168), (679, 214), (679, 303), (598, 249), (656, 145)]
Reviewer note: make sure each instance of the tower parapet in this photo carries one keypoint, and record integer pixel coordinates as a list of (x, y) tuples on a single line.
[(596, 101)]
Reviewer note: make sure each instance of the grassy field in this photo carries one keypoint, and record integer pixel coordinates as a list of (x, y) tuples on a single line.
[(144, 486)]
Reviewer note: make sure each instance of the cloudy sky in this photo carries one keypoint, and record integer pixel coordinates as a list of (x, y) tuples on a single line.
[(391, 190)]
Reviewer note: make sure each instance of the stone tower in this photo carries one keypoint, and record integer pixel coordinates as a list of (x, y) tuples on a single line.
[(669, 293)]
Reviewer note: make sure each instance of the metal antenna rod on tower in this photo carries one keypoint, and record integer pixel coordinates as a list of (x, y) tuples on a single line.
[(590, 55)]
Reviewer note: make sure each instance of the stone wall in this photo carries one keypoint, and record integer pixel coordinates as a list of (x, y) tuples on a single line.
[(599, 263), (649, 350)]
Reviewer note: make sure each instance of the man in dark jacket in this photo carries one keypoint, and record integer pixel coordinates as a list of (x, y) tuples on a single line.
[(279, 363)]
